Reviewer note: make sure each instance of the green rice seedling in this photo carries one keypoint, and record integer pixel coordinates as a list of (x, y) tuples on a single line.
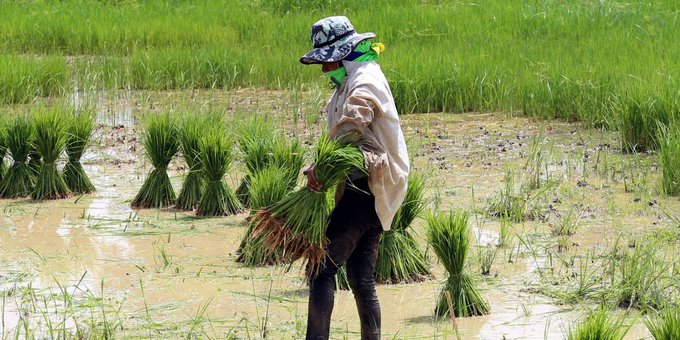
[(640, 279), (289, 155), (296, 225), (255, 142), (215, 157), (34, 159), (49, 140), (504, 236), (267, 187), (600, 325), (665, 325), (399, 258), (669, 157), (190, 136), (79, 133), (3, 146), (486, 257), (161, 143), (449, 236), (19, 178)]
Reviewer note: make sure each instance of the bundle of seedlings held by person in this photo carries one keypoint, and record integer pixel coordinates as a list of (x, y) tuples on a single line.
[(296, 225), (215, 157), (190, 132), (267, 187), (19, 179), (78, 136), (256, 138), (399, 258), (49, 141), (161, 143), (449, 236)]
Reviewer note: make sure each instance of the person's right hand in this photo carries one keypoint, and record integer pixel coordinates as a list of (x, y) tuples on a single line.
[(313, 183)]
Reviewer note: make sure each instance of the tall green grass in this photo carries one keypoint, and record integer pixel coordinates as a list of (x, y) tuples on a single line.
[(669, 152), (23, 78), (599, 325), (577, 60)]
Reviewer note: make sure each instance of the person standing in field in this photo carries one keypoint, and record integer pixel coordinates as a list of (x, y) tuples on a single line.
[(361, 110)]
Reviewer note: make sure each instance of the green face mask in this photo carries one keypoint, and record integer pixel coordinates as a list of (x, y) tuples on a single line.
[(365, 51)]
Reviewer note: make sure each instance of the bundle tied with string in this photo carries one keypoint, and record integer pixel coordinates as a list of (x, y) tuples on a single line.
[(449, 236), (19, 178), (267, 187), (161, 143), (215, 157), (190, 136), (295, 226), (79, 133), (49, 141)]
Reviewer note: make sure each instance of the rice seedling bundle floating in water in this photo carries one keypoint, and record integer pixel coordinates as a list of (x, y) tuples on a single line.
[(49, 141), (215, 157), (190, 136), (296, 225), (78, 137), (267, 187), (161, 143), (256, 137), (19, 178), (449, 236), (399, 259)]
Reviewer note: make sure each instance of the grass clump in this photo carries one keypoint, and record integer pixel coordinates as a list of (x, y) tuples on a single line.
[(79, 133), (665, 325), (19, 178), (215, 156), (669, 157), (599, 325), (296, 225), (449, 236), (267, 187), (399, 259), (190, 136), (3, 147), (256, 138), (161, 143), (49, 141)]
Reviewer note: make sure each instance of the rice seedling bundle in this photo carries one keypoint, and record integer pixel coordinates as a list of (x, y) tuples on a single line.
[(255, 142), (190, 136), (19, 178), (266, 188), (296, 225), (49, 141), (215, 157), (449, 236), (399, 259), (289, 155), (78, 138), (599, 325), (669, 156), (161, 143), (665, 325), (34, 159)]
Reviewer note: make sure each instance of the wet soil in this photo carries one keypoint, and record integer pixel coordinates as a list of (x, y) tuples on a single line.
[(92, 261)]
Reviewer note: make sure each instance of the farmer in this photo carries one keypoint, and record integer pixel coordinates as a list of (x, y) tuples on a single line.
[(361, 110)]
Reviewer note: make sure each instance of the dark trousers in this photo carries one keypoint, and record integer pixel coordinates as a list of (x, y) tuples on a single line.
[(354, 234)]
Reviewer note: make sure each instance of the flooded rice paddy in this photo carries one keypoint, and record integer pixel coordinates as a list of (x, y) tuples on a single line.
[(93, 265)]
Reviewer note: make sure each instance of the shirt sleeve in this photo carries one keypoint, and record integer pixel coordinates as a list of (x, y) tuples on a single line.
[(358, 113)]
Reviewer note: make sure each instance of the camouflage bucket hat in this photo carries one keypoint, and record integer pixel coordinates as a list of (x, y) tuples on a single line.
[(333, 39)]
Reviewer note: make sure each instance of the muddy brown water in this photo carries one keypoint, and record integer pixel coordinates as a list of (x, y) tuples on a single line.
[(167, 273)]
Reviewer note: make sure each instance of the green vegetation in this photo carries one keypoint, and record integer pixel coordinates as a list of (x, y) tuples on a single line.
[(49, 141), (215, 157), (78, 137), (665, 325), (23, 78), (599, 325), (449, 236), (19, 179), (256, 138), (296, 225), (399, 258), (190, 136), (3, 146), (161, 143), (669, 154)]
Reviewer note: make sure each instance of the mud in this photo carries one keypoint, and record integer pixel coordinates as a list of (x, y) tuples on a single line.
[(92, 260)]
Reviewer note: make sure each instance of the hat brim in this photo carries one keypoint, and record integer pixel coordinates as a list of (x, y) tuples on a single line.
[(335, 51)]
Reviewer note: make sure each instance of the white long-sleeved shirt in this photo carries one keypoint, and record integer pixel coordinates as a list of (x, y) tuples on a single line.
[(363, 104)]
